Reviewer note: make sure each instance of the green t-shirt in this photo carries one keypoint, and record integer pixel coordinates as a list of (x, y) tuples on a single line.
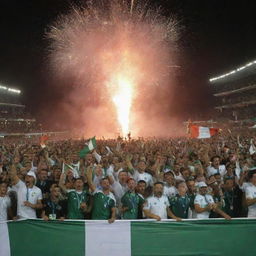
[(180, 205), (74, 201), (229, 199), (102, 205), (192, 199), (134, 202)]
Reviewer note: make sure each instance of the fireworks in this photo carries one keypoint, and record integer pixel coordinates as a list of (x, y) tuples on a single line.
[(115, 48)]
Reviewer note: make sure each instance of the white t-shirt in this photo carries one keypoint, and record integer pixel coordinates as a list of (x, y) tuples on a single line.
[(5, 203), (250, 193), (144, 176), (211, 170), (245, 185), (170, 191), (26, 194), (203, 201), (157, 206), (119, 191)]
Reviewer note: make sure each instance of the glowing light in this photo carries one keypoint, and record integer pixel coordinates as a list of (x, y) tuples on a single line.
[(123, 102), (232, 72), (10, 89), (117, 51)]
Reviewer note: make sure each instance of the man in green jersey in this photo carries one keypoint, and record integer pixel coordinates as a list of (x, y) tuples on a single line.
[(78, 201), (179, 204), (131, 201), (104, 202)]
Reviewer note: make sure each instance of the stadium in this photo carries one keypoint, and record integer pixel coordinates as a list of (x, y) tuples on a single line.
[(97, 155), (234, 94)]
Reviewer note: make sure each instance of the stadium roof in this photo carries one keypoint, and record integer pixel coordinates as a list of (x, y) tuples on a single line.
[(8, 89), (240, 72)]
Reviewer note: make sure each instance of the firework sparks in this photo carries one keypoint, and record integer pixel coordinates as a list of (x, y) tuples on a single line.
[(120, 46)]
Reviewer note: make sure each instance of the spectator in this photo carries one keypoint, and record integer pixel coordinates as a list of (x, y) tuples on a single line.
[(204, 204), (131, 201), (141, 174), (54, 207), (157, 206), (43, 182), (5, 203), (104, 202), (28, 195), (251, 194), (179, 205), (216, 167), (169, 184), (78, 201)]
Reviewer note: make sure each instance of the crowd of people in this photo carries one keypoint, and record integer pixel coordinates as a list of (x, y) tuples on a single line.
[(177, 178), (19, 126)]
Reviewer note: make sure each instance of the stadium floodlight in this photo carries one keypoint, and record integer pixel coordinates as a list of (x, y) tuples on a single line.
[(233, 71), (3, 87), (12, 90)]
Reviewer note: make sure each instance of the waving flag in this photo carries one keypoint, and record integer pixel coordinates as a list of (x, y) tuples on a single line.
[(88, 148), (201, 132), (43, 140)]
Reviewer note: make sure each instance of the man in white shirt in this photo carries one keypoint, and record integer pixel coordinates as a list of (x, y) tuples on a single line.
[(141, 174), (119, 186), (157, 206), (29, 197), (5, 202), (250, 194), (204, 203), (216, 167), (169, 184)]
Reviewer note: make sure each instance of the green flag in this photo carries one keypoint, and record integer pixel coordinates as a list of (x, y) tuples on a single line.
[(88, 148), (128, 238), (66, 167)]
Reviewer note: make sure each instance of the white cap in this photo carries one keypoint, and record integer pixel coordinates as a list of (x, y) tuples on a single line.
[(31, 173), (201, 184), (167, 170)]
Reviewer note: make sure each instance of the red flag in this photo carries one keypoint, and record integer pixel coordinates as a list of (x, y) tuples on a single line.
[(201, 132), (43, 140)]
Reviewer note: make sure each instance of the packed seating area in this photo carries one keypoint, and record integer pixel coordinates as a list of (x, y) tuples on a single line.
[(128, 178)]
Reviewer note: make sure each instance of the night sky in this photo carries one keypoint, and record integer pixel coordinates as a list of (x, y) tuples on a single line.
[(216, 36)]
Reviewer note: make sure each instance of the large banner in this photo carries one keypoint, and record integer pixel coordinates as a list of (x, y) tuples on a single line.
[(125, 238)]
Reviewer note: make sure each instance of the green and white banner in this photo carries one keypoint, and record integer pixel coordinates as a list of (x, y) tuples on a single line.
[(125, 238)]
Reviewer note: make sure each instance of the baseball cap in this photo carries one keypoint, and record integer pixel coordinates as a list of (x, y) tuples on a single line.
[(32, 174), (201, 184)]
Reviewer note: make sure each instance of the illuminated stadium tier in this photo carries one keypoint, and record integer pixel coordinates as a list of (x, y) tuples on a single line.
[(235, 93), (13, 116)]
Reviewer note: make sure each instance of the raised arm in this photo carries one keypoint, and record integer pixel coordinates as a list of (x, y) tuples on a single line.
[(13, 175), (89, 179), (62, 182)]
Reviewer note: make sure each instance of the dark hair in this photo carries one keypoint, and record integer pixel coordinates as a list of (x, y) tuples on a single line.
[(130, 179), (169, 172), (142, 181), (216, 156), (105, 178), (180, 182), (251, 173), (80, 178), (228, 178), (158, 183), (44, 170)]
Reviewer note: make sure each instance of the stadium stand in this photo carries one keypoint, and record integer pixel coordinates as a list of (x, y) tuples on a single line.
[(13, 115), (235, 94)]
